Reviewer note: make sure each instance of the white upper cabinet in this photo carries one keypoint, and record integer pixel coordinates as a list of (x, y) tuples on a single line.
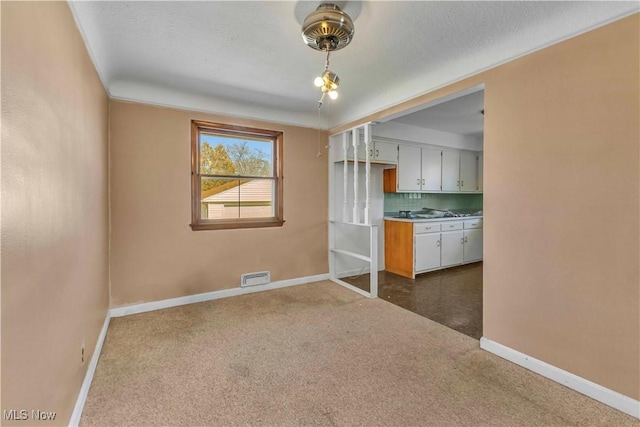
[(459, 171), (450, 170), (385, 152), (468, 171), (480, 171), (431, 169), (379, 152), (419, 169), (409, 168), (361, 150)]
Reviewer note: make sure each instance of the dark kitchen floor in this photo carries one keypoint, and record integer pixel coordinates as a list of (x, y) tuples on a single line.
[(451, 297)]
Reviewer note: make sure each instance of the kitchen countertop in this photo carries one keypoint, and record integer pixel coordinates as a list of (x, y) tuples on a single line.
[(441, 219)]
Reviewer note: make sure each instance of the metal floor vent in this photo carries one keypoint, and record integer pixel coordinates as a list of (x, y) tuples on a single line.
[(255, 279)]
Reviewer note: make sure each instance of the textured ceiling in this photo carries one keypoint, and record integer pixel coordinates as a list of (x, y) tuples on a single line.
[(247, 58)]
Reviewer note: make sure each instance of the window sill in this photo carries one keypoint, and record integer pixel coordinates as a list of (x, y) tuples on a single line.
[(229, 225)]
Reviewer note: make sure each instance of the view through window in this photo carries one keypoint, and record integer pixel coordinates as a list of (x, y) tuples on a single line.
[(237, 176)]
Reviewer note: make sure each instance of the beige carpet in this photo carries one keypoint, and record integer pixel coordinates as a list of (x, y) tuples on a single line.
[(316, 354)]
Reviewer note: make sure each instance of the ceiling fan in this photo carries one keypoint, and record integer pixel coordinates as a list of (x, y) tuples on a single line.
[(327, 29)]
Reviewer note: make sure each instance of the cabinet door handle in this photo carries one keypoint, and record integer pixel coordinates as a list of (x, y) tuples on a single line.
[(377, 153), (458, 183), (461, 240), (461, 183), (423, 182), (418, 181), (437, 243), (466, 240)]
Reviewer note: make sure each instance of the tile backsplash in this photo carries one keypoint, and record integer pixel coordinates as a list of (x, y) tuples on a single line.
[(394, 202)]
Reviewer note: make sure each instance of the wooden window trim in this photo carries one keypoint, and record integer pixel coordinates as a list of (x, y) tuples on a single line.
[(199, 224)]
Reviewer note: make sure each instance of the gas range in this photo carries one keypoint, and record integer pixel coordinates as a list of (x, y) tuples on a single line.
[(448, 214), (457, 215), (442, 214)]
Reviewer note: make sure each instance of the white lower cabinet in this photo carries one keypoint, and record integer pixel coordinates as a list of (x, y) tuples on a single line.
[(452, 243), (440, 245), (452, 248), (427, 251), (472, 245)]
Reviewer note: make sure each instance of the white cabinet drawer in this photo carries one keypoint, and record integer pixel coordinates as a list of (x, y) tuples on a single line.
[(452, 226), (421, 228), (473, 223)]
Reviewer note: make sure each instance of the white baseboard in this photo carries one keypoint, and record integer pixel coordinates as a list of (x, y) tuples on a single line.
[(595, 391), (88, 377), (208, 296)]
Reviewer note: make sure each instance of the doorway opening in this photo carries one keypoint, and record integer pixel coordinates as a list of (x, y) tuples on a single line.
[(431, 224)]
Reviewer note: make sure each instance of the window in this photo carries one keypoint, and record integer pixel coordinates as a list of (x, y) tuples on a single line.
[(236, 177)]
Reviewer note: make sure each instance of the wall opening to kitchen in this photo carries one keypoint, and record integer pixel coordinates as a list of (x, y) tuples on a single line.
[(432, 212)]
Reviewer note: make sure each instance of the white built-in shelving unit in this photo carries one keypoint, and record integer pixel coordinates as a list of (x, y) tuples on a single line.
[(350, 213)]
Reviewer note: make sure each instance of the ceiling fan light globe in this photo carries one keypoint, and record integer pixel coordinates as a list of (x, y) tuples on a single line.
[(318, 82), (333, 94)]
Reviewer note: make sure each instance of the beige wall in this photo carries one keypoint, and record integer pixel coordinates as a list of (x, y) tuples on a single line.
[(155, 254), (561, 203), (54, 208), (562, 174)]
